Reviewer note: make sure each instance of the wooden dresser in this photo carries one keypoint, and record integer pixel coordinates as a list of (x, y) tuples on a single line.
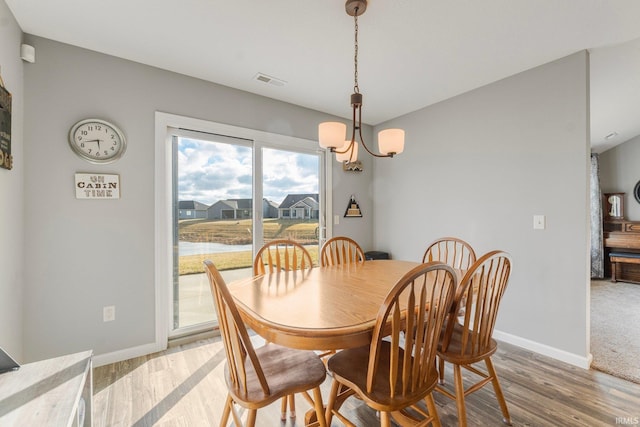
[(622, 236)]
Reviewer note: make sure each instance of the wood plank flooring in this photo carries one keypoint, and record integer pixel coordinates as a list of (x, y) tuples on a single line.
[(184, 386)]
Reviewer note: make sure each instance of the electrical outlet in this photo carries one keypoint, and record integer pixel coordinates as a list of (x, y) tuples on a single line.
[(109, 313)]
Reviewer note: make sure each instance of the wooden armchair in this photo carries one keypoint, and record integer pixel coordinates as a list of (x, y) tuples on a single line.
[(468, 337), (281, 255), (289, 371), (393, 374), (341, 250), (452, 251)]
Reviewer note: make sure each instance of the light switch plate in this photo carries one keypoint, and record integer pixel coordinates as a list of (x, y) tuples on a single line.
[(539, 222), (109, 313)]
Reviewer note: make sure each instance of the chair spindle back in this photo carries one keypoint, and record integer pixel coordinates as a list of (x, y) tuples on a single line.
[(281, 255), (416, 306), (452, 251), (478, 300), (341, 250)]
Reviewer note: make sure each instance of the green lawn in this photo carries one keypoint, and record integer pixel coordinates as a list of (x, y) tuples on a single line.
[(238, 232)]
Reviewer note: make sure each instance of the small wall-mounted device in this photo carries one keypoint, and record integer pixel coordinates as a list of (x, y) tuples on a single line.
[(28, 53)]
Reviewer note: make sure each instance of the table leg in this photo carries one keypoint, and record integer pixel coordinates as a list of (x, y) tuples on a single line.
[(344, 393)]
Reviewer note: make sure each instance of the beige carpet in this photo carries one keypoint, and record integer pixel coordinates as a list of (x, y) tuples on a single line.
[(615, 328)]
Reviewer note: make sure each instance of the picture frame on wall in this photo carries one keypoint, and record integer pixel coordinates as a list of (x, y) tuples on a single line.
[(6, 159)]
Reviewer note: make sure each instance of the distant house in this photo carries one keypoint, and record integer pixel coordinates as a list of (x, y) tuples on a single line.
[(240, 209), (299, 206), (190, 209), (269, 209)]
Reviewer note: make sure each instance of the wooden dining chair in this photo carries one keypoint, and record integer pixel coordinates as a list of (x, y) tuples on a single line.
[(468, 338), (257, 377), (393, 374), (281, 254), (452, 251), (341, 250)]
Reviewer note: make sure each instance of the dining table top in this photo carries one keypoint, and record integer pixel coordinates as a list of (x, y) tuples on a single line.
[(322, 308)]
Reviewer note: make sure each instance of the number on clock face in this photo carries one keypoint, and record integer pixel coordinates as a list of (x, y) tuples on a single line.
[(97, 141)]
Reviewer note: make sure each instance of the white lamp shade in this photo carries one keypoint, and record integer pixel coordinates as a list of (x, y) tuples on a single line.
[(348, 157), (331, 134), (391, 141)]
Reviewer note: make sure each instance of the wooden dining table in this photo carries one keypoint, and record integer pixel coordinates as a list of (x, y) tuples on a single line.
[(323, 308)]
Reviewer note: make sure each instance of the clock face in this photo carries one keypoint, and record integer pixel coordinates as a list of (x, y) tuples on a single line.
[(97, 141)]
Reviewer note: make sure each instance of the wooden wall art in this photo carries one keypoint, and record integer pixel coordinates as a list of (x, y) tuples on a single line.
[(6, 160)]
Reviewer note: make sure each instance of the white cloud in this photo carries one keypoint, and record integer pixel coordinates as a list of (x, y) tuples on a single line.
[(212, 171)]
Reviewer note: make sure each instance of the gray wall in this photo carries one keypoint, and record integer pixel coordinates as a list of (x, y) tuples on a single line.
[(619, 173), (479, 166), (11, 190), (86, 254)]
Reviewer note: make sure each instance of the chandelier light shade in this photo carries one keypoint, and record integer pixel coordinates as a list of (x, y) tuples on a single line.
[(391, 141), (331, 135), (347, 155)]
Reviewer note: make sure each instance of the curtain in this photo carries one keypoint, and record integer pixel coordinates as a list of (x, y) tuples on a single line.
[(597, 251)]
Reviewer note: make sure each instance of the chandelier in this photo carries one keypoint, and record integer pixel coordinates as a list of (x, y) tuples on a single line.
[(331, 135)]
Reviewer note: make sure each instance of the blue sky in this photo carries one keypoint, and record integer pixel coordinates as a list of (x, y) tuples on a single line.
[(212, 171)]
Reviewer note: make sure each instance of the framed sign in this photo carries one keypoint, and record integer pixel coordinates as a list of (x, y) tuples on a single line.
[(353, 209), (6, 160), (97, 186)]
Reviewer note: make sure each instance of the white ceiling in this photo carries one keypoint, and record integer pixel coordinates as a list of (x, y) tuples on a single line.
[(413, 53)]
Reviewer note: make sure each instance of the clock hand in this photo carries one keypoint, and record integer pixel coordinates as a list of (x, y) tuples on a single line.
[(94, 140)]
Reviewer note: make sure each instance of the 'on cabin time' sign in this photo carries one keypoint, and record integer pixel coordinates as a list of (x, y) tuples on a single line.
[(97, 186)]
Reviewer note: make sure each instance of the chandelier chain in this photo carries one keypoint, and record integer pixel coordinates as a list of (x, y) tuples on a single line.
[(356, 88)]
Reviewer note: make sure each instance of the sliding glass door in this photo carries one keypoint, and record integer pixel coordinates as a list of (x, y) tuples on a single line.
[(230, 195)]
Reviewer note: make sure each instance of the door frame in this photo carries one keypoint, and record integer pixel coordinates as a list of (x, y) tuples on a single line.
[(164, 199)]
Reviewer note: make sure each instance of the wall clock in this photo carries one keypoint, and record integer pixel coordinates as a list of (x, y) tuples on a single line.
[(97, 141)]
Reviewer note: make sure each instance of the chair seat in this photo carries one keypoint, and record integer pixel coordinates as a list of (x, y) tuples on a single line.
[(350, 366), (288, 371), (454, 353)]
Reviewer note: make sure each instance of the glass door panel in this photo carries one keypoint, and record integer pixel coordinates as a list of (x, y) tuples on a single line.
[(291, 190), (213, 220)]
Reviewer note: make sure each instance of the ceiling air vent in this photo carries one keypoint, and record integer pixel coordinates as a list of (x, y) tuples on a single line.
[(269, 80)]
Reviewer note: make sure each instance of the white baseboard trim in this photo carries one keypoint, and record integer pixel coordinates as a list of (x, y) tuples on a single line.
[(127, 353), (564, 356)]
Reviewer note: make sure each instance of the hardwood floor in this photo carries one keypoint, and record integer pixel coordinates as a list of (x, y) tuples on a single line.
[(183, 386)]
